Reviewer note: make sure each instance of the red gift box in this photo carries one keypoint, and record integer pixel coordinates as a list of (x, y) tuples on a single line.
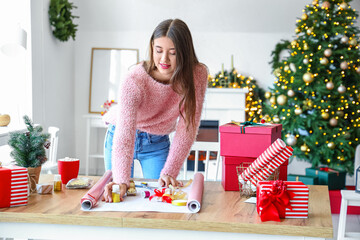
[(335, 202), (229, 178), (298, 193), (248, 141), (13, 186)]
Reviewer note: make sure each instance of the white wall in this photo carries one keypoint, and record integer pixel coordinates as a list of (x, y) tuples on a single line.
[(53, 79), (246, 29)]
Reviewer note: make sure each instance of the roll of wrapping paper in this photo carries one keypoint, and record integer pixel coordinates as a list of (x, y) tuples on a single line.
[(92, 197), (274, 149), (274, 163), (195, 195)]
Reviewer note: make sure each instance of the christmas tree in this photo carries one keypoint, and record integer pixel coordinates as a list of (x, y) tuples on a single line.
[(29, 147), (316, 93), (233, 79)]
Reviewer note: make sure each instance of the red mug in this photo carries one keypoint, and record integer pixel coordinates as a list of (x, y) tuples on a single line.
[(68, 169)]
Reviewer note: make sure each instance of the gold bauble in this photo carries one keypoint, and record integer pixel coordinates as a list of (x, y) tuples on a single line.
[(309, 30), (306, 46), (267, 95), (341, 89), (333, 122), (277, 72), (340, 113), (329, 85), (353, 42), (281, 99), (251, 93), (324, 61), (290, 93), (235, 85), (293, 43), (304, 148), (344, 40), (306, 61), (358, 69), (286, 68), (314, 2), (276, 119), (343, 6), (325, 115), (328, 52), (308, 77), (331, 145), (297, 30), (298, 111), (304, 16), (273, 100), (326, 4), (344, 65)]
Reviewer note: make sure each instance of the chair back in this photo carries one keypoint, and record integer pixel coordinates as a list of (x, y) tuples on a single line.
[(54, 138), (357, 159)]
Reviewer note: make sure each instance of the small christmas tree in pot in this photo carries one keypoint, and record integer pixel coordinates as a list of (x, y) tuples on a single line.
[(29, 150)]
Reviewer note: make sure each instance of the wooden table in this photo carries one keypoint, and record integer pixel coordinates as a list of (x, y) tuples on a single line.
[(223, 214)]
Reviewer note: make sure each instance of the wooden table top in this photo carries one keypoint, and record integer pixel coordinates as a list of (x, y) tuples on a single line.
[(221, 211)]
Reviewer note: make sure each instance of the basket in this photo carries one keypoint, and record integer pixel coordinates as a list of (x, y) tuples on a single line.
[(248, 189), (4, 120)]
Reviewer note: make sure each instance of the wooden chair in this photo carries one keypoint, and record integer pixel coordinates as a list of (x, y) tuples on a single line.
[(50, 166), (349, 198)]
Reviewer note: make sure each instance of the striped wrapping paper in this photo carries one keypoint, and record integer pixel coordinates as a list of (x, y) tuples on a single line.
[(273, 164), (13, 186), (274, 149), (299, 202)]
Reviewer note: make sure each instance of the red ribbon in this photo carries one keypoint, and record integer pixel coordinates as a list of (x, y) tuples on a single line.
[(327, 169), (159, 193), (273, 202)]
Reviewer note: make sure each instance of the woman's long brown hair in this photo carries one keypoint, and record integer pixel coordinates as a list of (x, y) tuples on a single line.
[(182, 80)]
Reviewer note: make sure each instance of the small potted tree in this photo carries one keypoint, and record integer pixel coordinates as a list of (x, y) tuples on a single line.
[(29, 150)]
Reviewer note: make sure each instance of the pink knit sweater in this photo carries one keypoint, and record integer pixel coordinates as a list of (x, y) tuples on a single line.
[(152, 107)]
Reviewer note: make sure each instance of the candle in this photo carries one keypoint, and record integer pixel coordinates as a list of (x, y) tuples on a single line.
[(222, 69), (232, 62)]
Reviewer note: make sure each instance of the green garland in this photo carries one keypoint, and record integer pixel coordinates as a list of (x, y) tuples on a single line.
[(61, 19), (279, 47)]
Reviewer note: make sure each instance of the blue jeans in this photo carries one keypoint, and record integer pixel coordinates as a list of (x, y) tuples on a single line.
[(151, 150)]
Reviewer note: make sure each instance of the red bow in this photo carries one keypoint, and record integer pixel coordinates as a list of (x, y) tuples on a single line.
[(160, 194), (273, 203)]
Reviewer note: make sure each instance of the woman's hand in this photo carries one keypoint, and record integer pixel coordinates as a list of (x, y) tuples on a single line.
[(107, 196), (166, 180)]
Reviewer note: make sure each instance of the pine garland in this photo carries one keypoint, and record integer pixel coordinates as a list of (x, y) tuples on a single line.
[(28, 148)]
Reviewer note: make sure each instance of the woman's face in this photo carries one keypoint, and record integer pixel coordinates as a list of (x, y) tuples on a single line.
[(164, 56)]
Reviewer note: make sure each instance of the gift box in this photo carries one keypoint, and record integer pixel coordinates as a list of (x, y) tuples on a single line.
[(249, 141), (307, 180), (335, 202), (335, 179), (282, 199), (229, 178), (13, 186)]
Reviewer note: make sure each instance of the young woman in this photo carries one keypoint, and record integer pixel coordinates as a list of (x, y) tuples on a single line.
[(158, 96)]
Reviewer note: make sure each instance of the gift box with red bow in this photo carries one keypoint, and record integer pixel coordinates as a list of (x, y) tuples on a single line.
[(282, 199), (13, 186)]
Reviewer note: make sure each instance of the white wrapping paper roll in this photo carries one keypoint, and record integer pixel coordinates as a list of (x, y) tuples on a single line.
[(195, 195)]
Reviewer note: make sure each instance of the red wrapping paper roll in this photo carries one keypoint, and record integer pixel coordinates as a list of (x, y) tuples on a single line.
[(92, 197), (195, 195)]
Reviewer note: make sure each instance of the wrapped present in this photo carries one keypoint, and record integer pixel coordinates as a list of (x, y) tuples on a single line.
[(282, 199), (13, 186), (45, 188), (335, 179), (247, 141), (308, 180)]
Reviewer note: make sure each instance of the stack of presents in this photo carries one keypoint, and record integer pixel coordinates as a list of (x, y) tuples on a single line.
[(252, 154)]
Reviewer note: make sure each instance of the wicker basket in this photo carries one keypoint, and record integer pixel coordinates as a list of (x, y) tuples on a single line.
[(4, 120), (247, 189)]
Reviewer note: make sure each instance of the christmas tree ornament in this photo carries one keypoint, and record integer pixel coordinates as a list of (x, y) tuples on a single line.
[(324, 61), (309, 31), (277, 72), (298, 111), (291, 93), (293, 43), (292, 67), (341, 89), (330, 85), (347, 135), (343, 6), (306, 61), (286, 68), (304, 16), (344, 40), (291, 140), (297, 30), (333, 122), (281, 99), (328, 52), (276, 119), (325, 115), (273, 100), (308, 77), (331, 145), (353, 42), (314, 2), (306, 46), (304, 148), (340, 113), (267, 95), (325, 4), (344, 65), (235, 85), (358, 69)]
